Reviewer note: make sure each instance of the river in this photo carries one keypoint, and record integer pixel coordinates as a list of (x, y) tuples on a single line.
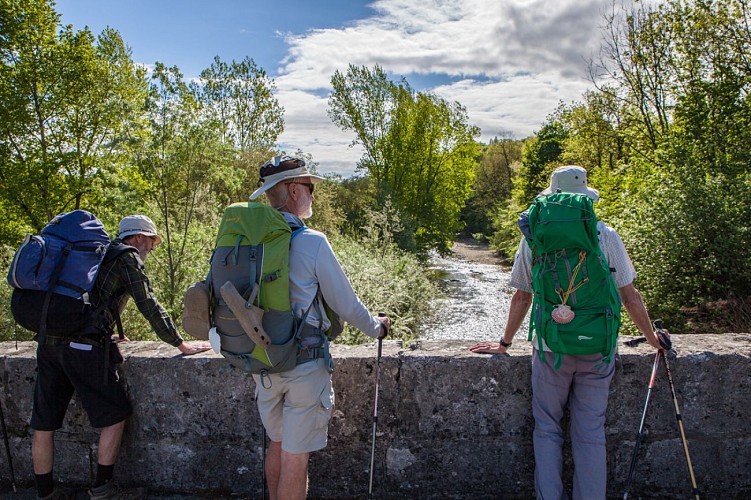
[(475, 302)]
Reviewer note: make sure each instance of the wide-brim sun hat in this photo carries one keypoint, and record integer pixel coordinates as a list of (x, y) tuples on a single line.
[(571, 179), (137, 224), (283, 168)]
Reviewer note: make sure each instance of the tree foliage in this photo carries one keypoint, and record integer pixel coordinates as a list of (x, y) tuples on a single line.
[(65, 98), (493, 183), (419, 150), (665, 139)]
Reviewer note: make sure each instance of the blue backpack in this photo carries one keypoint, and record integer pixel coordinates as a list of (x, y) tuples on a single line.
[(52, 274)]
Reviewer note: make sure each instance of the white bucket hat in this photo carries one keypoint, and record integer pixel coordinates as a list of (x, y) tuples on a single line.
[(571, 179), (137, 224), (281, 168)]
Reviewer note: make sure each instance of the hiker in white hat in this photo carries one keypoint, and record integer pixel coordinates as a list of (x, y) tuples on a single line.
[(296, 405), (68, 364), (581, 381), (571, 179), (140, 232), (284, 168)]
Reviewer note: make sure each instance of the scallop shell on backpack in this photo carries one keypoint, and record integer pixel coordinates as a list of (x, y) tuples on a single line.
[(562, 314)]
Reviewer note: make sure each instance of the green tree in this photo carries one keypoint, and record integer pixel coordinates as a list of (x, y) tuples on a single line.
[(64, 101), (419, 149), (182, 170), (494, 175), (682, 78), (362, 102), (239, 97)]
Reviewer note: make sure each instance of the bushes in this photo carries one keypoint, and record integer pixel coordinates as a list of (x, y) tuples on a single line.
[(386, 280)]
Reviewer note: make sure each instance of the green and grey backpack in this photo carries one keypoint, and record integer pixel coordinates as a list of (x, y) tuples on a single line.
[(250, 319), (576, 308), (252, 253)]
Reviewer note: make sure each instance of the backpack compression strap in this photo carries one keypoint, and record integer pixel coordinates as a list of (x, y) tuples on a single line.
[(48, 295)]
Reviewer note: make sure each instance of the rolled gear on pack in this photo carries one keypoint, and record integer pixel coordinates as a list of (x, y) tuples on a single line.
[(52, 275), (251, 258), (576, 308)]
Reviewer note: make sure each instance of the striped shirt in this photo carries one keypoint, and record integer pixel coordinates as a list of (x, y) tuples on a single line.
[(611, 245), (124, 277)]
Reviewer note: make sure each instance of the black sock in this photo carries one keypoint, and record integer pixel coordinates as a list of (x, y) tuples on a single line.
[(103, 474), (45, 484)]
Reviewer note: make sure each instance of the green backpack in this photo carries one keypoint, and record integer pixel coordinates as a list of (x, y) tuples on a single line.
[(252, 251), (576, 308)]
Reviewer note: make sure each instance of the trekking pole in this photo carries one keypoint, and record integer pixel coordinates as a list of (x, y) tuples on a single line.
[(375, 413), (665, 342), (7, 450), (639, 434), (263, 464)]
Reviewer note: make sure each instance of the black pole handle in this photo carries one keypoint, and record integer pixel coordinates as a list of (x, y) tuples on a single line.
[(664, 339), (385, 328)]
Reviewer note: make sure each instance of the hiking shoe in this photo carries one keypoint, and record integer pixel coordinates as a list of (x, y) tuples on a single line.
[(58, 494), (109, 491)]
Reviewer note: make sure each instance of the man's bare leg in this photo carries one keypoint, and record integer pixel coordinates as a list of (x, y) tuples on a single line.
[(286, 473), (293, 479), (273, 467), (109, 443), (43, 451)]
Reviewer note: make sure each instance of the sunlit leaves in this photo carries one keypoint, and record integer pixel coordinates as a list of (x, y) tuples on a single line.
[(419, 149)]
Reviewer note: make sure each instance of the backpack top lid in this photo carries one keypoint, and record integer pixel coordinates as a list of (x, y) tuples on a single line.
[(562, 220), (258, 223), (78, 226)]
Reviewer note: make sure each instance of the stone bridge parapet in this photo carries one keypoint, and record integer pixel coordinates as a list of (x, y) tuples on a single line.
[(452, 424)]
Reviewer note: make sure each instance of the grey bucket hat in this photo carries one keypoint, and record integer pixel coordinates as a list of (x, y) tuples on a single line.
[(571, 179), (137, 224)]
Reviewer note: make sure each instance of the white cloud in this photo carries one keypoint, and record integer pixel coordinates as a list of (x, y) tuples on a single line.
[(519, 105), (514, 61), (308, 128)]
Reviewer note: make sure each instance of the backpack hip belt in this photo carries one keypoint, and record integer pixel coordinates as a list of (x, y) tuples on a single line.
[(52, 340)]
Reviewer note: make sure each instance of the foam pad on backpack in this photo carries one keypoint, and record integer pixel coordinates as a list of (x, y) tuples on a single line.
[(196, 311)]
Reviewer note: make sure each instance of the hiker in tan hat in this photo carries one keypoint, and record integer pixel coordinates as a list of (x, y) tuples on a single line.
[(581, 381), (296, 405), (68, 364)]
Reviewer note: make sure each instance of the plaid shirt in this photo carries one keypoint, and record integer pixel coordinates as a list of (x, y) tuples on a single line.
[(124, 277), (611, 245)]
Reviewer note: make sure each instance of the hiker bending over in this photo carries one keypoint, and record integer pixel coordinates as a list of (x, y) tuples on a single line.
[(79, 363), (296, 405), (561, 372)]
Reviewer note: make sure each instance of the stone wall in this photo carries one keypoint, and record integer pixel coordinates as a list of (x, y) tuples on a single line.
[(452, 424)]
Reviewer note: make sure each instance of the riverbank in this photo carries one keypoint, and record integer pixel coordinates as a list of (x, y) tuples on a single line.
[(471, 250)]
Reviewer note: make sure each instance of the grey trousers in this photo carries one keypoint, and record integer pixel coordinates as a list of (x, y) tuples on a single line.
[(583, 382)]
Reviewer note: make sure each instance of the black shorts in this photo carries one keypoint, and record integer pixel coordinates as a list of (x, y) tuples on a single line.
[(63, 369)]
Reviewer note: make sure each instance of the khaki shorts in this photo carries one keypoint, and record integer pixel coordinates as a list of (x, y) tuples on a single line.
[(296, 406)]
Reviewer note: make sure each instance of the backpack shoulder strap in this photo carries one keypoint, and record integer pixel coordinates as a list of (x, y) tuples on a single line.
[(115, 250)]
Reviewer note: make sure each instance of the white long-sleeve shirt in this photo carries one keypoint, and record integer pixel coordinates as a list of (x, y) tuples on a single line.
[(312, 264)]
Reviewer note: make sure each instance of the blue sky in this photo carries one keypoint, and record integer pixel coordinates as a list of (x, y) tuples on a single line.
[(509, 62)]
